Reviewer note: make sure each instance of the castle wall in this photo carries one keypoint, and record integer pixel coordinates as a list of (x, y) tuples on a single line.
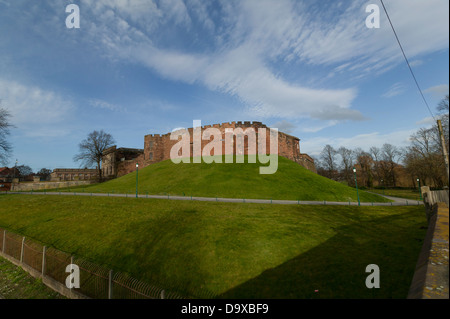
[(127, 167), (157, 147), (121, 161), (71, 174)]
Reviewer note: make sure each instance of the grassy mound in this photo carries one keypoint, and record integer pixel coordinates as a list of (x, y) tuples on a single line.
[(290, 182)]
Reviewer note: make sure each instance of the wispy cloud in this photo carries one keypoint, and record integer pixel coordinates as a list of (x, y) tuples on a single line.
[(438, 91), (426, 121), (36, 111), (239, 67), (415, 63), (394, 90), (238, 45), (260, 32), (98, 103), (284, 126), (314, 128)]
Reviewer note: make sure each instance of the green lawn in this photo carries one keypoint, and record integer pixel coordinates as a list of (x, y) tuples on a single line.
[(290, 182), (16, 283), (401, 193), (231, 250)]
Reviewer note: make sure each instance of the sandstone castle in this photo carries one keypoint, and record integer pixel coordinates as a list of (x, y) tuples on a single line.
[(121, 161)]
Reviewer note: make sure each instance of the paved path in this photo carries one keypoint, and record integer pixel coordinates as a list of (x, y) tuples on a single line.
[(397, 201)]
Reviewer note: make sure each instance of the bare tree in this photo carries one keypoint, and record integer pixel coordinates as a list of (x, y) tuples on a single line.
[(346, 164), (44, 173), (375, 152), (390, 156), (91, 149), (423, 157), (365, 161), (443, 108), (25, 172), (328, 159), (5, 146)]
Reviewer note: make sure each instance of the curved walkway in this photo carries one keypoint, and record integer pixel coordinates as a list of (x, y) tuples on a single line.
[(397, 201)]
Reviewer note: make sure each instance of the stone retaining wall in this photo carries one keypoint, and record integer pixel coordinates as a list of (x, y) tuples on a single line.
[(430, 279), (46, 185)]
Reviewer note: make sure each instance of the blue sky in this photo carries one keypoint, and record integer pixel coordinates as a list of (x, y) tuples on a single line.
[(135, 67)]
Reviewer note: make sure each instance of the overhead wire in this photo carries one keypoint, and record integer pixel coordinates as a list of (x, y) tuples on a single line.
[(407, 61)]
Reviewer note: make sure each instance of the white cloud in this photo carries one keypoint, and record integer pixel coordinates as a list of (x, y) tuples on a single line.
[(176, 11), (235, 69), (394, 90), (415, 63), (161, 105), (438, 91), (316, 128), (426, 121), (98, 103), (284, 126), (199, 9), (347, 39), (35, 111), (252, 36)]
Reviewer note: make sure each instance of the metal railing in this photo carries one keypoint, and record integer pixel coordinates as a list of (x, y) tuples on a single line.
[(96, 281)]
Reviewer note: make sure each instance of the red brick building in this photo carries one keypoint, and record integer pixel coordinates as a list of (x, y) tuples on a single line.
[(6, 177), (121, 161)]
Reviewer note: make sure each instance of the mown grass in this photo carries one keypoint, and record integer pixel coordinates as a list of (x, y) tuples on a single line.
[(231, 250), (413, 194), (236, 180), (15, 283)]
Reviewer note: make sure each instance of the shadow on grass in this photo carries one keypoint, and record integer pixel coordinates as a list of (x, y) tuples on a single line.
[(336, 268)]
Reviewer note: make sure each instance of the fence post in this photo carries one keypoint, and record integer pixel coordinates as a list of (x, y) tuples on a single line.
[(44, 250), (4, 241), (163, 294), (21, 250), (110, 285)]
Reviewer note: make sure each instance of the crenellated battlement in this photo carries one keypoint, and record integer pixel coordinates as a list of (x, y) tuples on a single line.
[(240, 124), (157, 147)]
